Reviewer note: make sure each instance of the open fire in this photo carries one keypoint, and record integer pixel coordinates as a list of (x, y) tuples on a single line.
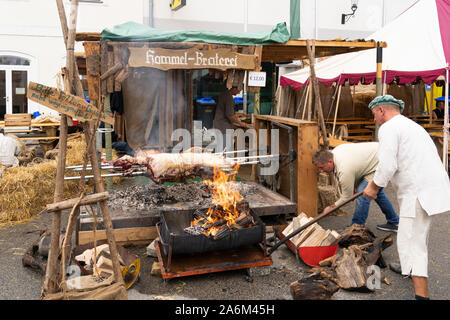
[(229, 211)]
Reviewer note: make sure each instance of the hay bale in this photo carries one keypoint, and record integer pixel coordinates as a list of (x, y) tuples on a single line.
[(26, 190)]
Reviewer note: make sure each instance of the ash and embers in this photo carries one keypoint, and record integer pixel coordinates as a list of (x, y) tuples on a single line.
[(147, 197)]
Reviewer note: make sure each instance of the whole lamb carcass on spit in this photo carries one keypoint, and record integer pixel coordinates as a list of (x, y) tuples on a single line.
[(174, 166)]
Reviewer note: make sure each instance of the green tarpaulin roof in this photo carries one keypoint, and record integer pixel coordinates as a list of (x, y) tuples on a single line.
[(132, 31)]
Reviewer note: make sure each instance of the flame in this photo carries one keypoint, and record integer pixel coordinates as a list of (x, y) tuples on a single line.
[(225, 199)]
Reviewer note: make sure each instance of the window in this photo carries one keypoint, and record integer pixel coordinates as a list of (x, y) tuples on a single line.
[(14, 61)]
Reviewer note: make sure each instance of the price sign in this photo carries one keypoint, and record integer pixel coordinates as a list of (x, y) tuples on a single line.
[(256, 79)]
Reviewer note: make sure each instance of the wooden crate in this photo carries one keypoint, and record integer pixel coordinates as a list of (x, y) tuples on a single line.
[(18, 120)]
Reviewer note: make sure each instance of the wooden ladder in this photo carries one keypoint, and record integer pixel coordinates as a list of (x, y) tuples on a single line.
[(72, 81)]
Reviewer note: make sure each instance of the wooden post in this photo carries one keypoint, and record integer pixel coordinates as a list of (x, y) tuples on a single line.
[(274, 90), (108, 138), (427, 103), (318, 105), (299, 106), (307, 103), (431, 103), (336, 111)]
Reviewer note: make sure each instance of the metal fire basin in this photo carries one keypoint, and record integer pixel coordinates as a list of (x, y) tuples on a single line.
[(176, 241)]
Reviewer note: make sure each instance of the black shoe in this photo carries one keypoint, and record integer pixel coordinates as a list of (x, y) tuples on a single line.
[(388, 227), (396, 267)]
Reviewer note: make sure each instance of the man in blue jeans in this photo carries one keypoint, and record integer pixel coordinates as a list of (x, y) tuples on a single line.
[(354, 165)]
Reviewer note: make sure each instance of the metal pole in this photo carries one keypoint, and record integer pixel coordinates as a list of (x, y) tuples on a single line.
[(379, 84), (245, 74)]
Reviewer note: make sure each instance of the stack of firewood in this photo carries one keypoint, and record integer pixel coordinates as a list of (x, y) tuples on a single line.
[(313, 236), (352, 268)]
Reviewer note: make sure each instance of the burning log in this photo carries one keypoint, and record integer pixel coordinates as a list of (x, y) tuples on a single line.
[(229, 211), (215, 225)]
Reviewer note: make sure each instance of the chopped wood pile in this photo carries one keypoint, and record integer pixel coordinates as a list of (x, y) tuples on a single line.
[(350, 269), (313, 236), (98, 261), (313, 287)]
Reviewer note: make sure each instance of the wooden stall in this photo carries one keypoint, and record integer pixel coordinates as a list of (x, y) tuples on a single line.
[(121, 66), (134, 68)]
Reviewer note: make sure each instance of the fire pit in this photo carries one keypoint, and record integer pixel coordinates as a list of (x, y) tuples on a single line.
[(228, 223), (175, 240)]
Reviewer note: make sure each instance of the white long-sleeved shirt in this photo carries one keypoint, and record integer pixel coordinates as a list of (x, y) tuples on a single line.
[(409, 159), (9, 148), (354, 162)]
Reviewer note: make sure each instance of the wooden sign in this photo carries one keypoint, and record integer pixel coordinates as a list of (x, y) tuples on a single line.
[(63, 102), (165, 59)]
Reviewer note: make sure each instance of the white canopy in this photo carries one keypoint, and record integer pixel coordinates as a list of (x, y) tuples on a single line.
[(418, 46)]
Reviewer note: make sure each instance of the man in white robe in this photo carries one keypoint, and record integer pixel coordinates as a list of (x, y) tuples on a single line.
[(409, 159)]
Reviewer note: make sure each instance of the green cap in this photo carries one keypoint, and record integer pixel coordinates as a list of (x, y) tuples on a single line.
[(386, 99)]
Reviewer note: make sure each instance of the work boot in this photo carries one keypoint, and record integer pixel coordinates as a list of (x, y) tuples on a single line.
[(387, 227)]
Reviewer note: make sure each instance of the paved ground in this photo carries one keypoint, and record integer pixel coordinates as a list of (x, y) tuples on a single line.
[(17, 282)]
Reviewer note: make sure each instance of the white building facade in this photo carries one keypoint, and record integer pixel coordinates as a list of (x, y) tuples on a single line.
[(32, 48)]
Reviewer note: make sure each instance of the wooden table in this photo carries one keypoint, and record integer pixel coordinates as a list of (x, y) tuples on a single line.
[(352, 123), (36, 124), (432, 126)]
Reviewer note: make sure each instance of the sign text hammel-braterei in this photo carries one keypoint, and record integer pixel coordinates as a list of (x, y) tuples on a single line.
[(165, 59), (65, 103)]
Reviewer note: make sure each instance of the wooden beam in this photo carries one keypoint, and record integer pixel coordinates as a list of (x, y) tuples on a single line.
[(92, 50), (123, 236), (111, 71), (67, 204)]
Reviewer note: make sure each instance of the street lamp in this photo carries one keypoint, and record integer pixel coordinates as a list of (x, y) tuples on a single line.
[(346, 17)]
